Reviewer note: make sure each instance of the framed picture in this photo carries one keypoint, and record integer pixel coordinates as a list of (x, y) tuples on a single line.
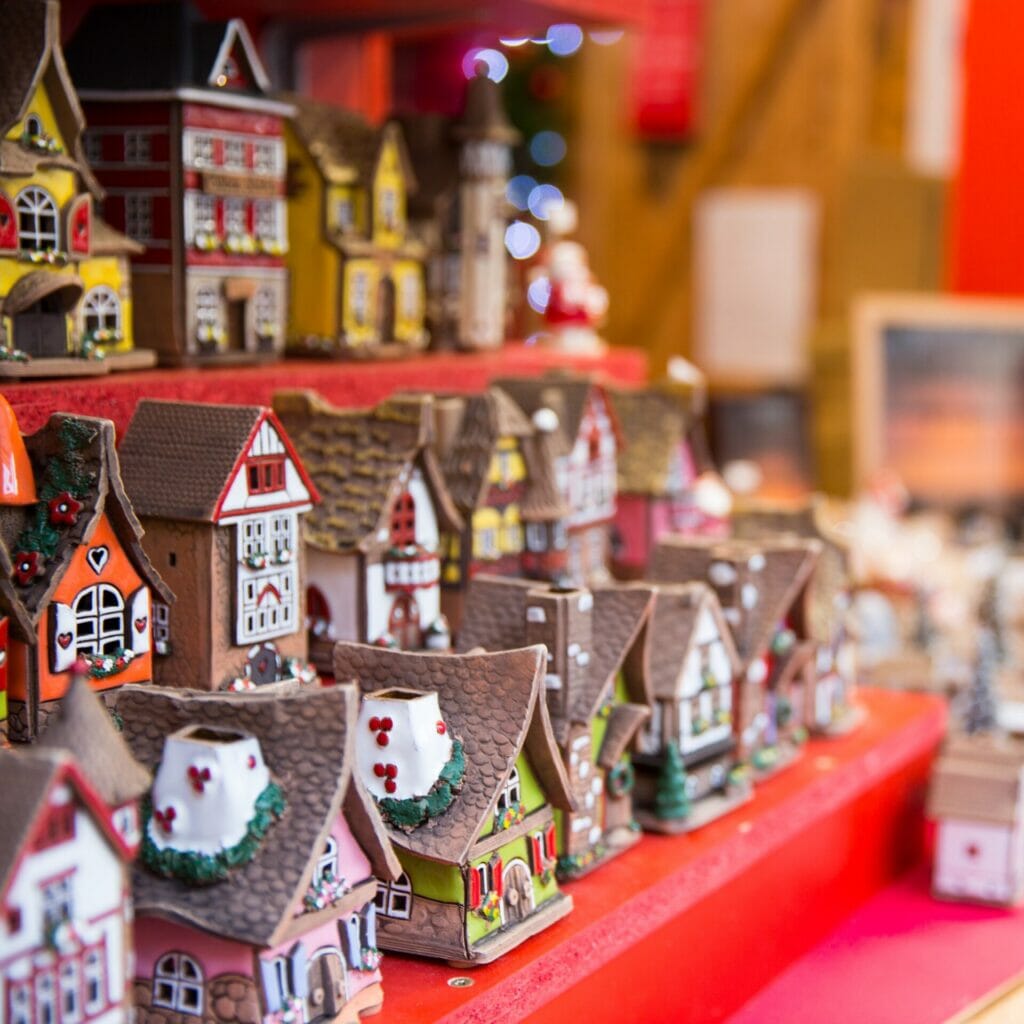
[(939, 398)]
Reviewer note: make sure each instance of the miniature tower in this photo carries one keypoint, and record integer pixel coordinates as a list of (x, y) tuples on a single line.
[(485, 157), (562, 619)]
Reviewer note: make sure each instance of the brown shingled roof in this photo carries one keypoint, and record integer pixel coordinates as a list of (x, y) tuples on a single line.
[(105, 495), (359, 460), (979, 778), (495, 704), (84, 728), (307, 739)]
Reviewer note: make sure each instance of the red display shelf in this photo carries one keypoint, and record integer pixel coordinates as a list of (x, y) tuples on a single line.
[(344, 384), (687, 928)]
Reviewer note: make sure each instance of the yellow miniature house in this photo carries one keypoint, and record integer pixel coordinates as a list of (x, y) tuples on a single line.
[(64, 285), (357, 279)]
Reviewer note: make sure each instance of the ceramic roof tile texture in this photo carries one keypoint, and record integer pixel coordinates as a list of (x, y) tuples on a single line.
[(978, 778), (564, 393), (84, 728), (543, 501), (97, 460), (177, 457), (623, 723), (494, 704), (358, 459), (24, 33), (307, 743)]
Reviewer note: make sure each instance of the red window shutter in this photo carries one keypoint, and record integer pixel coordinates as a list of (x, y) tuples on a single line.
[(250, 212), (8, 225), (475, 895), (551, 842), (3, 654), (537, 853), (498, 877), (219, 206)]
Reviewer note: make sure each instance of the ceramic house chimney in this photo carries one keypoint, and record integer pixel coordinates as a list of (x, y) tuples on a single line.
[(562, 620)]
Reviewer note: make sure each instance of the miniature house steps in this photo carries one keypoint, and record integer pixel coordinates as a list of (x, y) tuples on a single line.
[(850, 809)]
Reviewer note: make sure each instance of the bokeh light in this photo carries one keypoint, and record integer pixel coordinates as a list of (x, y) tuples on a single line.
[(522, 240), (514, 40), (538, 294), (606, 36), (543, 199), (547, 148), (518, 190), (496, 61), (564, 39)]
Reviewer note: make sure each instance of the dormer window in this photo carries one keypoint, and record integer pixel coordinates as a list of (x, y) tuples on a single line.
[(394, 899), (403, 521), (33, 126), (512, 793), (327, 862), (265, 473)]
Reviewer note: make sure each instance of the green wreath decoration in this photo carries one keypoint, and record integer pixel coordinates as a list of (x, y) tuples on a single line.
[(621, 779), (412, 812)]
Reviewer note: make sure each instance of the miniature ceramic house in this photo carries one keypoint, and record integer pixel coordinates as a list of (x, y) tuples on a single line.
[(831, 707), (65, 291), (66, 921), (475, 833), (373, 545), (460, 212), (597, 693), (356, 276), (977, 801), (584, 441), (500, 473), (763, 588), (255, 885), (686, 754), (664, 486), (221, 493), (190, 146), (75, 582), (85, 729)]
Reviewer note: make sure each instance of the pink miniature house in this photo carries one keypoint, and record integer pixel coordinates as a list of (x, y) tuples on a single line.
[(255, 885)]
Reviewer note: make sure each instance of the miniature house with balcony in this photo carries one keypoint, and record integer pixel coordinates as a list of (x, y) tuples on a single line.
[(222, 495), (255, 886), (373, 545), (459, 754)]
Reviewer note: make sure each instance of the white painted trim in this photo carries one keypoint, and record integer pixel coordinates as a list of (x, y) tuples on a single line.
[(206, 96)]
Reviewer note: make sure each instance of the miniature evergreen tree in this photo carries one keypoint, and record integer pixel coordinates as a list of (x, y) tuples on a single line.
[(980, 712), (671, 801)]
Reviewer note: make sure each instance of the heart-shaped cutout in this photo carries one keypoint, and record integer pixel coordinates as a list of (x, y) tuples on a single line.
[(64, 639), (97, 558), (140, 624)]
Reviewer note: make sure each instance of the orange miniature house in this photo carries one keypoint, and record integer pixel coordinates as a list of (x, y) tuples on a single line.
[(75, 583)]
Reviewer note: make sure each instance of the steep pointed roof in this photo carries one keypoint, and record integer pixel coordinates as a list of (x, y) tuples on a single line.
[(74, 453), (483, 114), (84, 728), (360, 461), (494, 703), (307, 738)]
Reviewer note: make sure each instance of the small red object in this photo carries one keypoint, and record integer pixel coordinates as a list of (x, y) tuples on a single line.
[(386, 724), (374, 724), (64, 509), (391, 771), (252, 761), (382, 739), (441, 728), (390, 785), (379, 770), (973, 850)]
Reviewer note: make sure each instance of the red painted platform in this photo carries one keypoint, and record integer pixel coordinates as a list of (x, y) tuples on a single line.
[(902, 958), (345, 384), (687, 928)]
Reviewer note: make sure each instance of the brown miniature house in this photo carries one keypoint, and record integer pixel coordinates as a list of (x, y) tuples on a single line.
[(373, 545), (977, 802), (75, 582), (286, 923), (763, 588), (597, 692), (221, 493), (469, 739)]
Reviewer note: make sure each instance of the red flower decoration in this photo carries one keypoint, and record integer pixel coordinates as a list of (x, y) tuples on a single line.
[(27, 566), (64, 509)]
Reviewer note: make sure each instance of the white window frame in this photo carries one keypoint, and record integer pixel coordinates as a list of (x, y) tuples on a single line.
[(411, 303), (512, 792), (94, 975), (390, 894), (137, 148), (20, 1000), (92, 142), (235, 220), (102, 305), (138, 216), (69, 985), (267, 218), (327, 861), (252, 536), (234, 152), (101, 632), (282, 533), (264, 308), (203, 208), (360, 297), (161, 627), (183, 990), (36, 206), (389, 209), (266, 622), (266, 157), (46, 996), (201, 150), (208, 308)]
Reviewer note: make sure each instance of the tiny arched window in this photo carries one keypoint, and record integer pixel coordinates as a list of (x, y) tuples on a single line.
[(101, 310), (37, 219), (403, 521), (33, 126)]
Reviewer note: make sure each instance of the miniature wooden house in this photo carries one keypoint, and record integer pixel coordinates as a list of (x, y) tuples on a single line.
[(75, 583), (356, 275), (695, 671), (831, 706), (597, 692), (66, 925), (459, 754), (65, 290), (977, 802), (584, 444), (763, 588), (663, 456), (221, 493), (500, 473), (373, 545), (186, 139), (255, 885)]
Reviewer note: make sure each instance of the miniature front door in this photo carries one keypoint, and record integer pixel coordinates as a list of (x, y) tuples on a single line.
[(42, 330), (326, 986), (518, 891), (386, 310), (236, 324), (263, 664), (404, 623)]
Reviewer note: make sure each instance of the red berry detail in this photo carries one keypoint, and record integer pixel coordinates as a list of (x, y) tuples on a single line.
[(390, 785), (379, 771), (374, 724), (441, 728), (386, 724), (382, 739), (252, 761), (391, 771)]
